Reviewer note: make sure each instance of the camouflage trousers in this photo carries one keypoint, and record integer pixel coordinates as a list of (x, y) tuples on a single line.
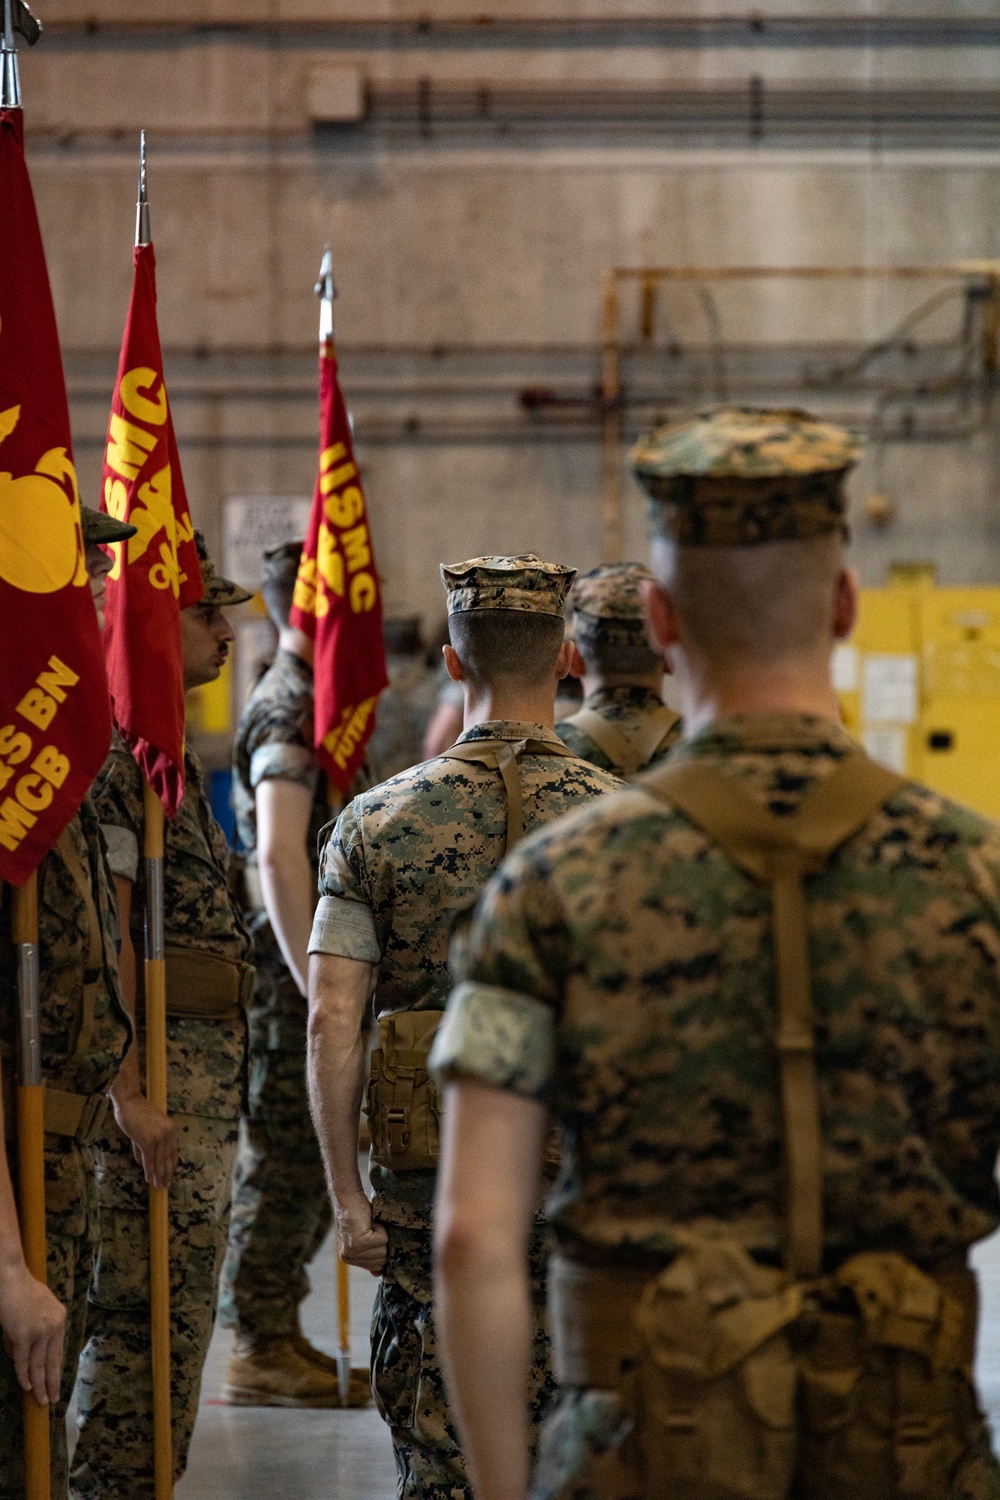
[(114, 1454), (584, 1454), (407, 1376), (71, 1230), (281, 1212)]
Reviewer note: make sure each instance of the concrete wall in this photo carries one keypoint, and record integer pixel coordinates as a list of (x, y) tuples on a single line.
[(470, 267)]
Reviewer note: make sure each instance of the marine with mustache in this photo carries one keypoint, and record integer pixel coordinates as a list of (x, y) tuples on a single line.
[(209, 979)]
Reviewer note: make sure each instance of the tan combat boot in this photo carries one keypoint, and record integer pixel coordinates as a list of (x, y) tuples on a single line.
[(275, 1372), (359, 1391)]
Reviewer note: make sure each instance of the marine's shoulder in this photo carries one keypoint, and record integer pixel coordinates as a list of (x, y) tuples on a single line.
[(281, 697), (943, 824), (622, 811), (406, 790)]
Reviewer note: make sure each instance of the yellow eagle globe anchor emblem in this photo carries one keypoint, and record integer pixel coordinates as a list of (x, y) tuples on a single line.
[(41, 544)]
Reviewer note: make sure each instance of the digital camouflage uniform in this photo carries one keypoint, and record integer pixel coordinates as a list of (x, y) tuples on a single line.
[(607, 615), (281, 1212), (402, 861), (621, 969), (81, 1054), (206, 1063)]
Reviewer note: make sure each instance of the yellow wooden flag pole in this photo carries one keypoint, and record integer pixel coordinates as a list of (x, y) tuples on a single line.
[(156, 1093), (31, 1160)]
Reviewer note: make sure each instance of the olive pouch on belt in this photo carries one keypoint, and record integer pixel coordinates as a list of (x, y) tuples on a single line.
[(404, 1111)]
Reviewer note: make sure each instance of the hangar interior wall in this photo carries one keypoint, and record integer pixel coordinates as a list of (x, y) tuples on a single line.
[(469, 249)]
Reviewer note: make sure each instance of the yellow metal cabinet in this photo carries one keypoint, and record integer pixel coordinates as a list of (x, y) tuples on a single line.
[(919, 685)]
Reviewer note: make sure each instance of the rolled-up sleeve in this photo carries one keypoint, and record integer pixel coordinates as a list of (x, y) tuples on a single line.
[(345, 928), (283, 762), (498, 1037)]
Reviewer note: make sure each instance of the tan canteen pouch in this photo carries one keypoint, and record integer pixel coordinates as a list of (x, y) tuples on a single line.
[(202, 986), (404, 1111)]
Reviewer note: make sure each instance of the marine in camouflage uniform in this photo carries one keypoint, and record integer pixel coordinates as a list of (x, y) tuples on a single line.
[(209, 980), (402, 861), (85, 1033), (624, 725), (621, 971), (281, 1212)]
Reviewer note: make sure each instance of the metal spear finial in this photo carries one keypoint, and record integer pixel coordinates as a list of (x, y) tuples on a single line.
[(17, 21), (326, 291), (142, 234)]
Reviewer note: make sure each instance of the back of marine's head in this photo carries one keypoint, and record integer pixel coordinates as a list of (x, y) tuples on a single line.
[(748, 512), (506, 618), (608, 625)]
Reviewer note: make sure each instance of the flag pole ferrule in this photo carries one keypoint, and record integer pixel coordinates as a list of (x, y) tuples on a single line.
[(326, 291), (30, 1022), (154, 908), (143, 235), (10, 77)]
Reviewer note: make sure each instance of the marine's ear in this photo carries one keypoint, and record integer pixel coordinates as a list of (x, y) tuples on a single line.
[(659, 615), (453, 666), (845, 604)]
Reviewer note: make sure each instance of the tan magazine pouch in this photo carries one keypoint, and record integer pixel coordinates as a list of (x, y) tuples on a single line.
[(404, 1110), (748, 1381), (627, 753)]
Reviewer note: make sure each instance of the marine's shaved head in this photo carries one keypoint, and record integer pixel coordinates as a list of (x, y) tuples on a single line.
[(754, 606)]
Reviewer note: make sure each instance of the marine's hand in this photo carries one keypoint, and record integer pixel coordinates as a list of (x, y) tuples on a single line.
[(34, 1324), (153, 1137), (360, 1242)]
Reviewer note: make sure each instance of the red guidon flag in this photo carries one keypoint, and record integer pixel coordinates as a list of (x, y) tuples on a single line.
[(337, 596), (55, 724), (156, 573)]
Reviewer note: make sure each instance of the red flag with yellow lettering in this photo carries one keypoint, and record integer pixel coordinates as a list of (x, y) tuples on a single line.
[(337, 599), (55, 724), (156, 573)]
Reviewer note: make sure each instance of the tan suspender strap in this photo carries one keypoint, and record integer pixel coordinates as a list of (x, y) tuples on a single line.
[(781, 851), (503, 756), (628, 752)]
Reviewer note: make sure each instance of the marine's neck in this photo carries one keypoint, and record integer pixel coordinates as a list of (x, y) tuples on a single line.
[(596, 682), (519, 708), (779, 688)]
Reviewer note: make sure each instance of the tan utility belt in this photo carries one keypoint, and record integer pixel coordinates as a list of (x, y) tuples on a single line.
[(82, 1117), (403, 1108), (203, 986)]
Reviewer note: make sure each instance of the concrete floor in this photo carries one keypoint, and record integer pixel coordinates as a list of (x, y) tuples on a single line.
[(264, 1453), (247, 1453)]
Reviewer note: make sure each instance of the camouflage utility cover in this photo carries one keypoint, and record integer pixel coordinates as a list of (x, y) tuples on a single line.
[(75, 1057), (199, 911), (404, 859), (621, 969), (218, 590), (610, 592), (97, 526), (524, 582), (741, 476)]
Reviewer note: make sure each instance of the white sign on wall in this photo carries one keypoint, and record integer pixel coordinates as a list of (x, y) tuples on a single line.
[(889, 689), (251, 524)]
